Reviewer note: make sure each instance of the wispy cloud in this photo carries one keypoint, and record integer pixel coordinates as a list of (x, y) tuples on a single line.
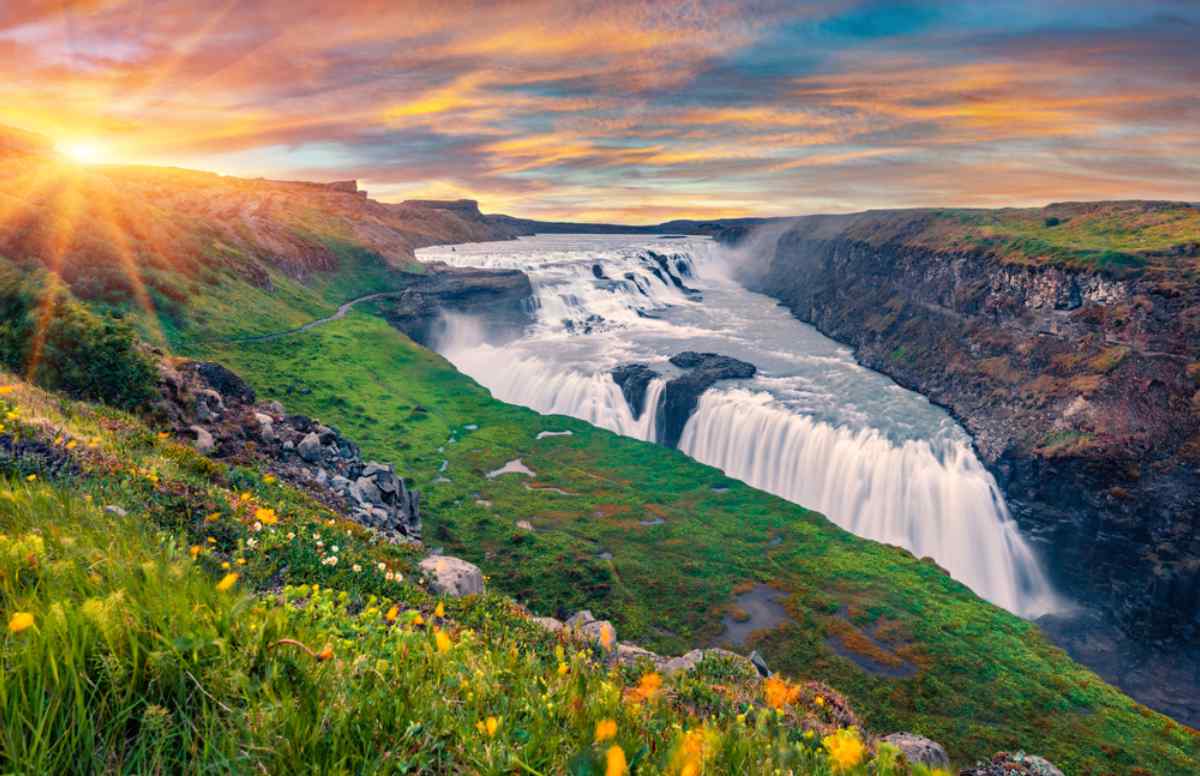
[(630, 109)]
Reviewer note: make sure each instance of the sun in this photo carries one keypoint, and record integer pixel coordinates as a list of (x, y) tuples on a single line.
[(82, 151)]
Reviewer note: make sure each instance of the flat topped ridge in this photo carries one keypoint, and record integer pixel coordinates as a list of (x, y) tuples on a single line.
[(461, 206)]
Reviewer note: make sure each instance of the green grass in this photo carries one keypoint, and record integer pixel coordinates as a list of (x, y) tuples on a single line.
[(986, 680), (140, 659), (1116, 238)]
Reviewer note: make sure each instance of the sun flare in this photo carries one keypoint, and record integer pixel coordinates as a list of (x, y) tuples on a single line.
[(82, 151)]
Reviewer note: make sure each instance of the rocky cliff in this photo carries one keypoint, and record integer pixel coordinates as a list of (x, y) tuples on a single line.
[(1075, 368)]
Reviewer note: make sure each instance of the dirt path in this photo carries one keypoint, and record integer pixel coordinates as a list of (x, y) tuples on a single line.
[(337, 316)]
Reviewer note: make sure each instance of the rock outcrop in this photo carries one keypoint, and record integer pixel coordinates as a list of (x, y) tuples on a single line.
[(634, 380), (502, 297), (680, 395), (217, 412), (1018, 764)]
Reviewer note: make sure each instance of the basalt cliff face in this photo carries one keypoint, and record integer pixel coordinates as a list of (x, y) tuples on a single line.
[(1076, 372)]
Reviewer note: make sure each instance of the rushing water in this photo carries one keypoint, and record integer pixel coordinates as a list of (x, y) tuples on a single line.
[(814, 426)]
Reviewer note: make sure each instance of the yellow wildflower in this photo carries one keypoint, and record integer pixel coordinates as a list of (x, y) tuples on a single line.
[(244, 496), (225, 565), (194, 550), (163, 435), (20, 621), (227, 581), (440, 611), (443, 641), (614, 761), (418, 620), (5, 390), (72, 444), (819, 700), (846, 748), (562, 669), (31, 478), (392, 614), (779, 693), (325, 654), (608, 636), (489, 726), (212, 517), (266, 516), (241, 561), (605, 729), (269, 479), (648, 687)]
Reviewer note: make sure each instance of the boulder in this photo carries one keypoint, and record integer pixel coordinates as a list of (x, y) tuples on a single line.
[(632, 654), (227, 383), (452, 576), (549, 623), (310, 447), (634, 380), (681, 394), (585, 625), (919, 750), (204, 442), (209, 406)]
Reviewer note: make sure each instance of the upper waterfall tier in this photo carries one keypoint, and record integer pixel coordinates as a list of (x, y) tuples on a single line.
[(812, 425)]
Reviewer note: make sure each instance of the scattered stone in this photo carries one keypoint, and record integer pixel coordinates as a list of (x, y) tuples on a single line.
[(547, 434), (919, 750), (216, 408), (525, 525), (452, 576), (113, 509), (1018, 764), (204, 442)]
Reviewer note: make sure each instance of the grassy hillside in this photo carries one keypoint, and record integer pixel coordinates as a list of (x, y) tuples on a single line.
[(188, 625)]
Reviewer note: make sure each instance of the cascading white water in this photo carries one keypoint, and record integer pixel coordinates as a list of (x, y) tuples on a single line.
[(947, 507), (813, 427)]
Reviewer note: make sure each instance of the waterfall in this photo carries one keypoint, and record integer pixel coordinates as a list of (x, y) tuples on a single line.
[(947, 507), (814, 427)]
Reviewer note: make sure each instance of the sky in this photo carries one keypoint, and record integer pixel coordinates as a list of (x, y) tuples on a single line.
[(629, 111)]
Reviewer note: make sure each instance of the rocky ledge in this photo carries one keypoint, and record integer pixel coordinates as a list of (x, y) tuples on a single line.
[(681, 394), (500, 296), (219, 413)]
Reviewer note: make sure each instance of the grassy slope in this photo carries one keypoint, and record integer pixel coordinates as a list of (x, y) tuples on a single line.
[(986, 679), (137, 661)]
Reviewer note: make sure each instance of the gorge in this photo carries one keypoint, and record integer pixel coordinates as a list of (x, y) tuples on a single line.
[(788, 410)]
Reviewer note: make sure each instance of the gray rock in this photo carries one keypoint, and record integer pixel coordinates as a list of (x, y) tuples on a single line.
[(275, 408), (549, 623), (310, 448), (631, 654), (209, 405), (365, 491), (919, 750), (690, 660), (339, 484), (113, 509), (586, 626), (759, 664), (452, 576), (525, 525), (204, 442)]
